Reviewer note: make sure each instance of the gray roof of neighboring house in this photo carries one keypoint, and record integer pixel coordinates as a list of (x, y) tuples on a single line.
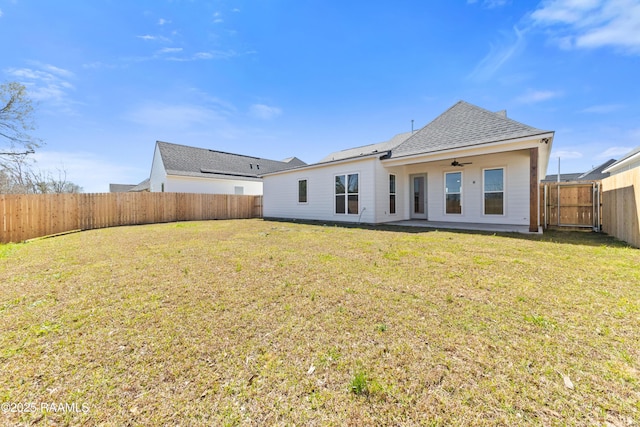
[(594, 174), (193, 161), (120, 188), (143, 186), (464, 125), (367, 149)]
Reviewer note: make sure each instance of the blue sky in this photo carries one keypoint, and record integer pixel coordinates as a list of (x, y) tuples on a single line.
[(298, 78)]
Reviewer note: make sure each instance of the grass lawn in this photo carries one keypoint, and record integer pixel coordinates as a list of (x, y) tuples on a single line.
[(250, 322)]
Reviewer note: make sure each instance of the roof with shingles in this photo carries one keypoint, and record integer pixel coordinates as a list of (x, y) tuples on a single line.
[(594, 174), (464, 125), (192, 161), (367, 149), (120, 188)]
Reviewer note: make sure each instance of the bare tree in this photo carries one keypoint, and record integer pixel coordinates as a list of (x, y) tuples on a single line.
[(17, 173), (16, 120)]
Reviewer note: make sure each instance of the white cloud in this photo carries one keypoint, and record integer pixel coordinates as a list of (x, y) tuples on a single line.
[(163, 21), (499, 54), (46, 83), (602, 109), (149, 37), (565, 154), (170, 50), (614, 152), (590, 24), (1, 13), (533, 96), (166, 116), (264, 112)]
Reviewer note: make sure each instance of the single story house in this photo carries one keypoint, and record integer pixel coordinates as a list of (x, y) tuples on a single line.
[(183, 169), (469, 165), (629, 161)]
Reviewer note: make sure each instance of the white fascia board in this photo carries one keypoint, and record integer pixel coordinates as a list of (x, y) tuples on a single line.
[(475, 150), (621, 164)]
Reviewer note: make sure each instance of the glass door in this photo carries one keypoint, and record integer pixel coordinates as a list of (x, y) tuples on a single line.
[(419, 196)]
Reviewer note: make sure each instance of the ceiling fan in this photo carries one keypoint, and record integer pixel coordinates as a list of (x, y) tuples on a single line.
[(457, 163)]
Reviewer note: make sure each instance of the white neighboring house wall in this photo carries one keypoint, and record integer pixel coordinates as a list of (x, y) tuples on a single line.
[(281, 192), (218, 184), (189, 184), (158, 176)]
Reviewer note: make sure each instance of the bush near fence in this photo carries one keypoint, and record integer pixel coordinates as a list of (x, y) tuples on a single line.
[(621, 206), (26, 216)]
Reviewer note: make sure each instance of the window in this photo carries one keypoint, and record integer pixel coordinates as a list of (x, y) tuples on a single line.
[(347, 194), (493, 180), (302, 191), (392, 194), (453, 192)]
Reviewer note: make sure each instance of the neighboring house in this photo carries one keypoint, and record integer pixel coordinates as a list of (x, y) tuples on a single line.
[(129, 188), (595, 174), (183, 169), (120, 188), (630, 161), (469, 165)]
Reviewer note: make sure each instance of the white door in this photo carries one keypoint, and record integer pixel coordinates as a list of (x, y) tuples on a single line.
[(418, 196)]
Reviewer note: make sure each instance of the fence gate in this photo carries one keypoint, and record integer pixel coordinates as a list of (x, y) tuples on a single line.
[(572, 204)]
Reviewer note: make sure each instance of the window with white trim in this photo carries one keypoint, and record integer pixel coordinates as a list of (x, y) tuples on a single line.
[(453, 192), (392, 194), (346, 194), (493, 188)]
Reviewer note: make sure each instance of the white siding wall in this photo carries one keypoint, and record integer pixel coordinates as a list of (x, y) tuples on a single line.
[(516, 165), (382, 193), (187, 184), (281, 192)]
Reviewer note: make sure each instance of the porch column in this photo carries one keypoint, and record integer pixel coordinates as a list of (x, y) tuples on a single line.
[(534, 197)]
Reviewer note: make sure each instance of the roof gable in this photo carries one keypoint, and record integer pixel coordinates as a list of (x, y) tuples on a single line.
[(464, 125), (193, 161)]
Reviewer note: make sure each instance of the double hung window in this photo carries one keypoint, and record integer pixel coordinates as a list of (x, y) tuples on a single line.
[(347, 194)]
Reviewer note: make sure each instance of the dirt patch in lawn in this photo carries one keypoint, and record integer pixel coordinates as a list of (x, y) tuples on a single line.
[(261, 323)]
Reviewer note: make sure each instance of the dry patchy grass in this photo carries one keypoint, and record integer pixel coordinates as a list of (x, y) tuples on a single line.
[(251, 322)]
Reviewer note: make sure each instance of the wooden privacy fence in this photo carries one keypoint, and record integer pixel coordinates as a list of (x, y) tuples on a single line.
[(25, 216), (621, 206), (571, 204)]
